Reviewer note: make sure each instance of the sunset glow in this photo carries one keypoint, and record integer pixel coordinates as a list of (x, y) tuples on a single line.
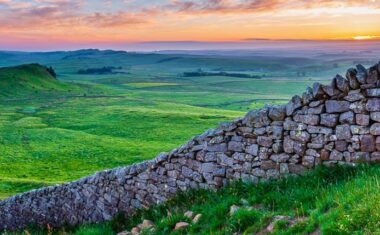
[(72, 23)]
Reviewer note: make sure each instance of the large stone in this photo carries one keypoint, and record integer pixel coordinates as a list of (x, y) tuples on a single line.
[(235, 146), (257, 118), (329, 120), (367, 143), (359, 130), (374, 92), (318, 91), (294, 104), (347, 118), (373, 75), (375, 129), (343, 132), (319, 130), (330, 90), (217, 147), (283, 157), (296, 169), (301, 136), (375, 116), (358, 106), (351, 77), (342, 84), (264, 141), (336, 155), (308, 161), (354, 95), (362, 119), (277, 113), (335, 106), (373, 105), (307, 119), (361, 75), (252, 149)]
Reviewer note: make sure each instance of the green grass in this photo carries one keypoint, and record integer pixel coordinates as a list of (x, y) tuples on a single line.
[(338, 200)]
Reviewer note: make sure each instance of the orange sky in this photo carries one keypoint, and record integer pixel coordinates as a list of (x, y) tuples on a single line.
[(28, 23)]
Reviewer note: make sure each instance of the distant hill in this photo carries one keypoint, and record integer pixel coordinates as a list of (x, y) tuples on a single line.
[(31, 80)]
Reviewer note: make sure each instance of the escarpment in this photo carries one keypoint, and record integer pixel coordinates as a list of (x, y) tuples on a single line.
[(330, 124)]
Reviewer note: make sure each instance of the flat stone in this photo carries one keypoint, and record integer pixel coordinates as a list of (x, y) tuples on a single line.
[(217, 147), (308, 119), (362, 119), (373, 105), (343, 132), (277, 113), (330, 90), (252, 149), (375, 116), (375, 129), (235, 146), (354, 95), (335, 106), (264, 141), (308, 161), (367, 143), (374, 92), (296, 169), (279, 157), (301, 136), (181, 225), (336, 155), (347, 118), (359, 130), (329, 119)]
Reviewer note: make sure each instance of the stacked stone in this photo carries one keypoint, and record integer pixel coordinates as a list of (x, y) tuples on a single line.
[(330, 124)]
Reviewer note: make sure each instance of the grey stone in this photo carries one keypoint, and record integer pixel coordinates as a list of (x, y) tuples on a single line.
[(336, 155), (367, 143), (294, 104), (373, 105), (264, 141), (235, 146), (335, 106), (301, 136), (362, 119), (347, 118), (329, 120), (354, 95), (253, 149), (307, 119), (361, 75), (277, 113), (308, 161), (318, 91), (375, 129), (343, 132), (342, 84), (351, 77), (375, 116), (280, 157)]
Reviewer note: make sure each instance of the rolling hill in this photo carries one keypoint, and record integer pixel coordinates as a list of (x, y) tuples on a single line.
[(32, 80)]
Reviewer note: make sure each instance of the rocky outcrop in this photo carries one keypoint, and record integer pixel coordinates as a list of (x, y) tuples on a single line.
[(330, 124)]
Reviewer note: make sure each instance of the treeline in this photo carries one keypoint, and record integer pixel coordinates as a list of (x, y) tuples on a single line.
[(103, 70), (226, 74)]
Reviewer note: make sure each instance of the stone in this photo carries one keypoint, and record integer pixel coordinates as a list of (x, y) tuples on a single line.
[(358, 107), (208, 167), (284, 169), (266, 165), (361, 157), (233, 210), (343, 132), (351, 77), (294, 104), (318, 91), (342, 84), (375, 116), (347, 118), (252, 149), (308, 161), (375, 129), (288, 145), (277, 113), (335, 106), (307, 119), (373, 75), (377, 141), (277, 147), (367, 143), (146, 224), (373, 105), (359, 130), (257, 118), (278, 158), (181, 226), (329, 120), (354, 95), (296, 169), (135, 230), (341, 145), (336, 155), (217, 148), (264, 141), (196, 218), (307, 96), (361, 75), (362, 119), (235, 146), (189, 214), (301, 136), (325, 154), (330, 90), (374, 92), (316, 110)]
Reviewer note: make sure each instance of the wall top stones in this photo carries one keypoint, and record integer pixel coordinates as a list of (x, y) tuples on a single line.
[(338, 123)]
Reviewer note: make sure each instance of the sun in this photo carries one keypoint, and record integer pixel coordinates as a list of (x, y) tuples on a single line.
[(367, 37)]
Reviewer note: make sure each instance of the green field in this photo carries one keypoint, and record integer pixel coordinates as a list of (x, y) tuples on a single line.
[(58, 130)]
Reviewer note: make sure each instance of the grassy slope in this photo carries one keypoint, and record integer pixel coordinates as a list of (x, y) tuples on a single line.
[(330, 201), (31, 79)]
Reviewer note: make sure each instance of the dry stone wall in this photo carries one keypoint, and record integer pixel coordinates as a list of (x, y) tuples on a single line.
[(330, 124)]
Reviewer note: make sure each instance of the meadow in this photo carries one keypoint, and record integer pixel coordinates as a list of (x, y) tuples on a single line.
[(58, 130)]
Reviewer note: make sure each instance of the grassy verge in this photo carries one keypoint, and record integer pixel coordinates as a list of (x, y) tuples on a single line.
[(338, 200)]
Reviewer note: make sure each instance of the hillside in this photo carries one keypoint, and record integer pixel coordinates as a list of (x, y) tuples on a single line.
[(31, 80)]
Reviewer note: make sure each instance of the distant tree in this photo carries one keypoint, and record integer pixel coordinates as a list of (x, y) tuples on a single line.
[(51, 71)]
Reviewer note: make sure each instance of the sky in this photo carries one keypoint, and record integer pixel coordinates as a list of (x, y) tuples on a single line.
[(119, 24)]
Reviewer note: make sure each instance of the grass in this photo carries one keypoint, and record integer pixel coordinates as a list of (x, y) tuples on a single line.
[(338, 200)]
